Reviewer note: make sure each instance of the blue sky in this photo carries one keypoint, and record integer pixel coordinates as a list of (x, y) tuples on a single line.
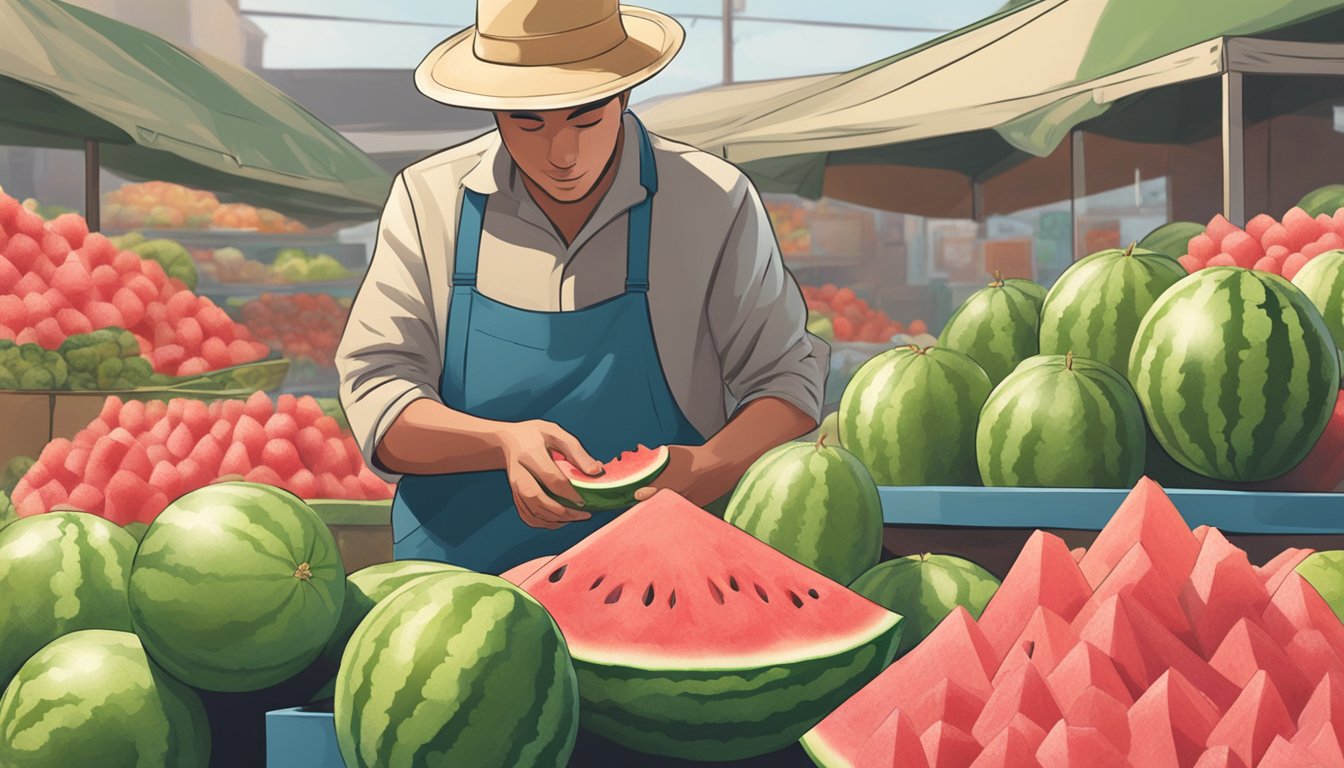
[(762, 50)]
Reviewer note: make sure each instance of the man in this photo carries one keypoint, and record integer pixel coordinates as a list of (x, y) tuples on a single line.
[(567, 283)]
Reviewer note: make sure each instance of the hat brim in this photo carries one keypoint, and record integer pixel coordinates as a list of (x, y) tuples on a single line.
[(452, 74)]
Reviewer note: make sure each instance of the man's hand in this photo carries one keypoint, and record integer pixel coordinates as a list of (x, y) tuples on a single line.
[(695, 473), (527, 448)]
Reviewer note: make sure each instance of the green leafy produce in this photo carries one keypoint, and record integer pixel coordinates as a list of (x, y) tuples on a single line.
[(128, 240), (13, 471), (7, 513), (174, 259), (104, 359)]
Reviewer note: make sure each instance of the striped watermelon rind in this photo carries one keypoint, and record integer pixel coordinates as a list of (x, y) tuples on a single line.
[(997, 326), (1324, 571), (815, 503), (1172, 239), (1061, 421), (364, 589), (1237, 373), (236, 587), (1322, 280), (60, 572), (93, 698), (615, 488), (456, 669), (924, 589), (1326, 200), (907, 399), (7, 512), (1095, 307)]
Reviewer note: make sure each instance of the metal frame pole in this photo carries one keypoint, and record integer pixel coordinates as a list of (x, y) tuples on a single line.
[(92, 214), (1077, 187), (1234, 149), (727, 41)]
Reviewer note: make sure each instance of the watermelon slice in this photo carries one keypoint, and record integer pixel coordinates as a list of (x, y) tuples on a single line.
[(1325, 708), (1086, 667), (1098, 709), (614, 488), (1044, 574), (1246, 650), (1223, 589), (1069, 746), (1022, 692), (1220, 757), (1010, 749), (947, 746), (716, 648), (895, 742), (955, 650), (1321, 743), (519, 573), (1277, 569), (1282, 754), (947, 702), (1149, 520), (1173, 721), (1257, 716)]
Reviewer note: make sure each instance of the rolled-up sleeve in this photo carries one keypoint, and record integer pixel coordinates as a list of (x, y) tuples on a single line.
[(758, 318), (390, 354)]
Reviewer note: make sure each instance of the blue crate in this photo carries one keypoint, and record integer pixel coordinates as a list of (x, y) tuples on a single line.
[(301, 738), (1088, 509)]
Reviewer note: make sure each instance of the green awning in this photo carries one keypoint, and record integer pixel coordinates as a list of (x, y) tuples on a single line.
[(983, 98), (68, 74)]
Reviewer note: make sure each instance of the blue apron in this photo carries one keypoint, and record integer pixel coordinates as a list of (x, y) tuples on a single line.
[(593, 371)]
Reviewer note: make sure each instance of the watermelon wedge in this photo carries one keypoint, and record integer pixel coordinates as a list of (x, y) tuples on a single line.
[(615, 487), (715, 648)]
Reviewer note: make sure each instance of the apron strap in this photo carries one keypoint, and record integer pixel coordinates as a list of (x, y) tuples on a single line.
[(641, 218), (470, 223)]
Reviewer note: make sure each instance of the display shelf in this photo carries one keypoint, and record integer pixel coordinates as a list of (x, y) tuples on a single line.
[(261, 246), (244, 291)]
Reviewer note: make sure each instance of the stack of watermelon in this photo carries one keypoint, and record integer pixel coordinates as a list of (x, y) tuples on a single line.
[(1280, 247), (129, 463), (1158, 646), (57, 280)]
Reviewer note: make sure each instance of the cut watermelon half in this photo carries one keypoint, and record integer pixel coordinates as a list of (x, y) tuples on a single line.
[(693, 639), (615, 488)]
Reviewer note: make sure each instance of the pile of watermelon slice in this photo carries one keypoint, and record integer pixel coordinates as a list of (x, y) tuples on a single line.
[(1158, 646), (1279, 247)]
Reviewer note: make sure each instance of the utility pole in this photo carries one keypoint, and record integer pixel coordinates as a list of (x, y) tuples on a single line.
[(728, 40)]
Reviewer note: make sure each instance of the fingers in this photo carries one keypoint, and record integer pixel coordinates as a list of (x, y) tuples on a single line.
[(536, 508), (549, 476), (645, 493), (558, 439)]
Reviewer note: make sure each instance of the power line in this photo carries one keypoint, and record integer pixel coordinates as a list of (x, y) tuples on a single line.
[(691, 16)]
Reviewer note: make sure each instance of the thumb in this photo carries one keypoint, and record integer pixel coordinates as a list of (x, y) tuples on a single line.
[(570, 447)]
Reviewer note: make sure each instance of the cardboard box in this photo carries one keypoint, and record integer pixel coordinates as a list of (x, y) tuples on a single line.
[(30, 420)]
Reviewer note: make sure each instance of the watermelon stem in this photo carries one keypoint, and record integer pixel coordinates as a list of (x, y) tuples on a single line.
[(821, 441), (1130, 250), (304, 572), (998, 279), (1068, 361)]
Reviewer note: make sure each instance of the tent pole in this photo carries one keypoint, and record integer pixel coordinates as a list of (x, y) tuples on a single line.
[(1077, 186), (977, 200), (1234, 149), (91, 198)]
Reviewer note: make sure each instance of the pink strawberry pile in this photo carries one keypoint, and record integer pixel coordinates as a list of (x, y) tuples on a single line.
[(136, 457), (57, 280), (1265, 244), (1156, 647)]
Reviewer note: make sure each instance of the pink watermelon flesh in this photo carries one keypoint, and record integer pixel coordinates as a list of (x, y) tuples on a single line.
[(1098, 709), (726, 600), (1321, 743), (946, 702), (1010, 749), (622, 475), (1170, 722), (1282, 754), (1296, 606), (1136, 573), (519, 573), (1277, 569), (1312, 654), (1086, 667), (1044, 574), (1222, 590), (1046, 638), (1068, 746), (1220, 757), (956, 650), (1146, 518), (946, 746), (1246, 650), (1022, 692), (1257, 716), (1325, 708), (894, 743)]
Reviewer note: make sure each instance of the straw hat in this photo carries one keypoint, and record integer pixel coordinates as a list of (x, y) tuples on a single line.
[(548, 54)]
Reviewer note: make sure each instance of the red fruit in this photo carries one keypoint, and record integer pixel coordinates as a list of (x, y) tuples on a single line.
[(375, 488), (168, 357), (1202, 247), (1326, 221), (132, 416), (154, 272), (126, 263), (236, 461), (1097, 709), (917, 327), (264, 475), (310, 444), (1257, 716), (70, 226), (208, 455), (55, 247), (193, 366), (843, 298), (1248, 649), (281, 426), (259, 407), (1219, 228), (167, 479), (194, 476), (143, 288), (196, 416), (49, 333), (328, 486), (1302, 228), (232, 410), (105, 280), (1312, 250), (13, 312), (1330, 241), (9, 276), (1266, 264), (307, 411), (252, 435), (1242, 248), (182, 304), (9, 208), (843, 328), (26, 336), (130, 306), (1277, 235), (189, 333), (76, 461), (1069, 746), (1258, 226), (28, 223), (30, 283), (327, 426), (282, 456), (56, 300), (302, 484), (351, 488), (1044, 574), (87, 498), (947, 746), (215, 321), (104, 315), (127, 498), (1021, 691), (1293, 264), (156, 313), (1222, 260), (73, 322), (221, 430), (181, 441), (1191, 263), (96, 251)]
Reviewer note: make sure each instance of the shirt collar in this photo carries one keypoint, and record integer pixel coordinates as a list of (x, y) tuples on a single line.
[(497, 173)]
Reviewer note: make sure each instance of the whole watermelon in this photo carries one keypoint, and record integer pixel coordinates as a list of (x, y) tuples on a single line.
[(92, 698), (815, 503), (59, 572), (925, 589), (998, 326), (457, 669), (1326, 200), (236, 587), (1095, 307), (7, 513), (1324, 571), (1061, 421), (1237, 373), (1322, 280), (909, 415), (364, 589)]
